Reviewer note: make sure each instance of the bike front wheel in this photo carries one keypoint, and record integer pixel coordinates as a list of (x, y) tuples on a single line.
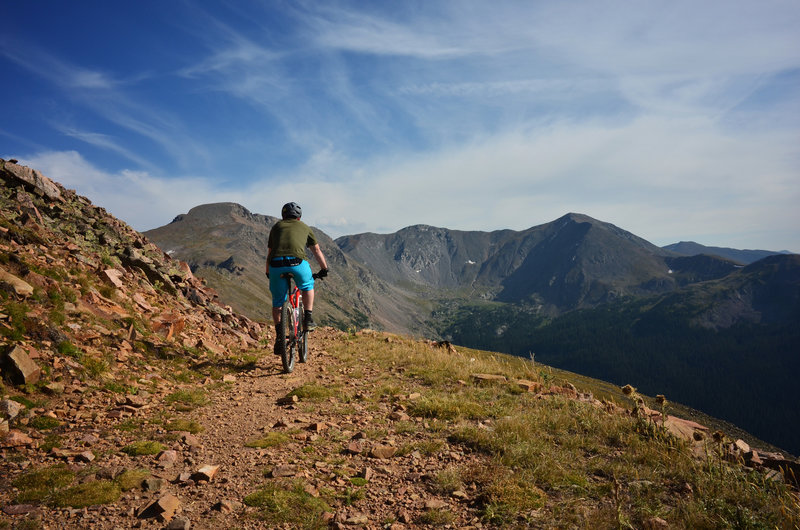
[(302, 339), (287, 334)]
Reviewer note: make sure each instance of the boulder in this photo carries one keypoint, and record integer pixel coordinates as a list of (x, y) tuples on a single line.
[(20, 286), (206, 472), (21, 369), (33, 179), (163, 509)]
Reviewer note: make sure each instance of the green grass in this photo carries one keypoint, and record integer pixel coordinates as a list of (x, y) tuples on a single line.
[(87, 494), (186, 400), (44, 423), (314, 392), (286, 503), (131, 478), (143, 447), (184, 425), (39, 484), (271, 439)]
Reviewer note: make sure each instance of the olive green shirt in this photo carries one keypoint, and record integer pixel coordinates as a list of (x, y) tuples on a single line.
[(290, 237)]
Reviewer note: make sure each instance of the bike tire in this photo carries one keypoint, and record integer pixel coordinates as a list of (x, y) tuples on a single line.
[(302, 340), (286, 335)]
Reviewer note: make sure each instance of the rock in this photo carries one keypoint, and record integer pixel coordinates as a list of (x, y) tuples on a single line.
[(316, 427), (21, 287), (10, 408), (153, 484), (283, 471), (398, 416), (382, 451), (742, 446), (167, 458), (163, 509), (179, 523), (113, 277), (366, 473), (19, 509), (190, 439), (206, 472), (355, 447), (655, 523), (483, 378), (288, 400), (16, 438), (227, 506), (4, 428), (21, 368), (33, 178), (55, 388), (357, 519), (228, 378), (753, 458), (435, 504), (86, 456), (529, 386)]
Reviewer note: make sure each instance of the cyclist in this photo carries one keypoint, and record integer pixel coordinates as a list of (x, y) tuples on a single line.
[(286, 253)]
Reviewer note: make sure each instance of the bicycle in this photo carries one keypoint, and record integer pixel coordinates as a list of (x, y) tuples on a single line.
[(294, 337)]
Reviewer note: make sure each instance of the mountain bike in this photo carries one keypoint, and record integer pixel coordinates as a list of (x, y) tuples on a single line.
[(292, 337)]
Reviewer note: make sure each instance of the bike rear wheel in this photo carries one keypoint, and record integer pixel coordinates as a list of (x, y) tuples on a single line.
[(286, 334)]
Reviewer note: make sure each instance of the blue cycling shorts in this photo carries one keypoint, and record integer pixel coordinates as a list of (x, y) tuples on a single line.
[(303, 278)]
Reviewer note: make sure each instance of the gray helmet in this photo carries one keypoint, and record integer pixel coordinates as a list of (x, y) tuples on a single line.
[(291, 210)]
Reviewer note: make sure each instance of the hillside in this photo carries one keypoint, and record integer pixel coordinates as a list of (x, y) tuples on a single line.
[(132, 399), (227, 245), (726, 346)]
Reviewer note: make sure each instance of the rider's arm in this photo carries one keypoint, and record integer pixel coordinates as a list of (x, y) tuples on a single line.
[(269, 255), (319, 256)]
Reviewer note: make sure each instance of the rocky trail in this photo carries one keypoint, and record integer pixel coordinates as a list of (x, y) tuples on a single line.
[(346, 451)]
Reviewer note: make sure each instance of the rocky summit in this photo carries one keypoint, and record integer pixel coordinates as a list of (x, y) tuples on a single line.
[(131, 397)]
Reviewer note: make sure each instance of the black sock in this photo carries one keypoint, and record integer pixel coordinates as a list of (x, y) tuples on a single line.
[(307, 314)]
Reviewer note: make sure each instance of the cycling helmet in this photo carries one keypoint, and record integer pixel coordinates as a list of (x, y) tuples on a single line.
[(291, 210)]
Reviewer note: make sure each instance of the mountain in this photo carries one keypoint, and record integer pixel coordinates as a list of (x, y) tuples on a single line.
[(227, 245), (570, 263), (132, 396), (690, 248)]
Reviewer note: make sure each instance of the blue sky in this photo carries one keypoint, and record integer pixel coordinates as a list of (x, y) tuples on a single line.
[(673, 120)]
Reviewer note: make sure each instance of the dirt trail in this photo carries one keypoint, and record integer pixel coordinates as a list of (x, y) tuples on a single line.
[(361, 457)]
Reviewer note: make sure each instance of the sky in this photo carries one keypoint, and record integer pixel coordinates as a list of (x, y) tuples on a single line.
[(677, 121)]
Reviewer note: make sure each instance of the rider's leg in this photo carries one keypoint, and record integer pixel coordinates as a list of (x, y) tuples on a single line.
[(308, 305), (308, 299)]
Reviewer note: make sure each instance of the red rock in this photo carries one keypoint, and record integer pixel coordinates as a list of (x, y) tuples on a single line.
[(163, 509), (113, 276), (22, 368), (21, 287), (382, 451), (206, 472), (17, 438)]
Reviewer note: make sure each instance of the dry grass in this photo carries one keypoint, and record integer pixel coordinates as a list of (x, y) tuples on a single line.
[(559, 462)]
